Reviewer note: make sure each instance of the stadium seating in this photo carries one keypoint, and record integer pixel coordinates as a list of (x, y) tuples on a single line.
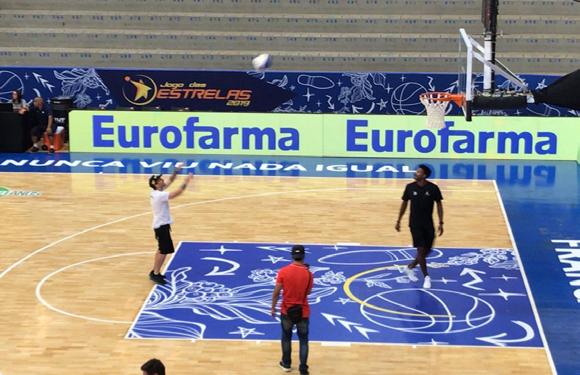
[(374, 35)]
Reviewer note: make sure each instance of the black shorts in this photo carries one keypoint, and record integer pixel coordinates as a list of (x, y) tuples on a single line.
[(423, 236), (163, 236), (37, 131)]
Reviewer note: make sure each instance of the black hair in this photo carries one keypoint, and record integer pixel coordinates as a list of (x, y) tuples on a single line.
[(153, 180), (18, 96), (425, 169), (153, 366)]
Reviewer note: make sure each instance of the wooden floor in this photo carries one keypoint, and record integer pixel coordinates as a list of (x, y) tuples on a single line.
[(82, 217)]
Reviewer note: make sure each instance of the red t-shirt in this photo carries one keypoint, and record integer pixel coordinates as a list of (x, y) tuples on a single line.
[(296, 280)]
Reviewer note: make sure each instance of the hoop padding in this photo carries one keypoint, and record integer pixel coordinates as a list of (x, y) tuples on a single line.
[(436, 104)]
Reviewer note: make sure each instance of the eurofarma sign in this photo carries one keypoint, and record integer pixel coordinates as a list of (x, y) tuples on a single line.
[(196, 133), (446, 140), (322, 135)]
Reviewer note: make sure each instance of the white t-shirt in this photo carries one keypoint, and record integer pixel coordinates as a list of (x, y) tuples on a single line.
[(160, 205)]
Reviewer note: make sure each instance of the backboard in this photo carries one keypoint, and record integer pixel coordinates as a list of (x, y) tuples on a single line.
[(475, 75)]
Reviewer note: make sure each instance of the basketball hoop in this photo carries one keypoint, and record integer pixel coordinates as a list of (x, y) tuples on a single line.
[(436, 104)]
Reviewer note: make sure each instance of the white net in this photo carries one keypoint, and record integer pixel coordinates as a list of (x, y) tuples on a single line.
[(435, 103)]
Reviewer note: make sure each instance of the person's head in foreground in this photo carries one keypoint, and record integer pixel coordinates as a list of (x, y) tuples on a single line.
[(153, 367)]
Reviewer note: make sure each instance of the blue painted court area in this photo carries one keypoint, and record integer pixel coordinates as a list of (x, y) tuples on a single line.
[(545, 223), (223, 291)]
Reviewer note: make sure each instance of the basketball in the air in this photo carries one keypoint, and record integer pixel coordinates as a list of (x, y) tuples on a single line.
[(262, 62)]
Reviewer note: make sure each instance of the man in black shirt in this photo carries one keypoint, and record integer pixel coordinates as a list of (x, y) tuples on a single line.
[(422, 194), (40, 123)]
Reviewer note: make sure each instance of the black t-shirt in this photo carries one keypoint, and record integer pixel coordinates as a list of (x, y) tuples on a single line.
[(39, 117), (422, 199)]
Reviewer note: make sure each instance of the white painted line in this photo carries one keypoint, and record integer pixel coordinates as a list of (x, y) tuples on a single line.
[(339, 343), (60, 311), (335, 343), (332, 177), (404, 247), (525, 279), (151, 292), (42, 249)]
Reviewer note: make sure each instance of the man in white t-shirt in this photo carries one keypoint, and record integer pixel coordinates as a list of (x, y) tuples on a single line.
[(162, 219)]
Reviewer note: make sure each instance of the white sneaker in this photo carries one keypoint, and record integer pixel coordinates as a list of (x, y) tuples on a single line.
[(409, 272), (284, 368), (427, 283)]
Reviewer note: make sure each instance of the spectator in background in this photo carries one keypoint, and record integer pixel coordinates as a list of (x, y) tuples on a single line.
[(40, 123), (18, 104), (153, 367)]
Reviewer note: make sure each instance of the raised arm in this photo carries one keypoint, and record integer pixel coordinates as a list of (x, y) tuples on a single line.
[(178, 192), (173, 175)]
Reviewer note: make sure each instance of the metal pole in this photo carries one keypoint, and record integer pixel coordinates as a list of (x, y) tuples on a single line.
[(489, 18)]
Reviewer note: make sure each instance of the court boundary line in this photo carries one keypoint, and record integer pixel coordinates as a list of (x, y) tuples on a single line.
[(344, 343), (525, 280), (274, 176), (405, 247), (250, 175)]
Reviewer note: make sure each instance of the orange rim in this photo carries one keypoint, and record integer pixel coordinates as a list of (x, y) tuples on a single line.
[(435, 96)]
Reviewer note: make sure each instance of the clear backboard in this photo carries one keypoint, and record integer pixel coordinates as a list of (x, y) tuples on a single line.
[(475, 75)]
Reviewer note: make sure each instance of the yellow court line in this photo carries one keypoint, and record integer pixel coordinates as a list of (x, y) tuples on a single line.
[(350, 295)]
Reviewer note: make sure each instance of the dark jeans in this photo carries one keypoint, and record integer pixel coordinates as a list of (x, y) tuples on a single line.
[(302, 328)]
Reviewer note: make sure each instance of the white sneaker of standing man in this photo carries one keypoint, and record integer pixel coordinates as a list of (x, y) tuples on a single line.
[(427, 282)]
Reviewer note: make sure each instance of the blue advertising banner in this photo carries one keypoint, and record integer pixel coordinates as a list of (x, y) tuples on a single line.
[(272, 91)]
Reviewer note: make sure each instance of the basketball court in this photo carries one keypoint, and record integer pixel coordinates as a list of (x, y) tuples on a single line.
[(77, 244), (78, 248)]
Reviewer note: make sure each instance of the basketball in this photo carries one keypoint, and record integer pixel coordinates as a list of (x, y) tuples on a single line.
[(262, 62)]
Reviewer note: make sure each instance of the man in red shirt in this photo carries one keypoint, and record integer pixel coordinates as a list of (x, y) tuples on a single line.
[(295, 280)]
